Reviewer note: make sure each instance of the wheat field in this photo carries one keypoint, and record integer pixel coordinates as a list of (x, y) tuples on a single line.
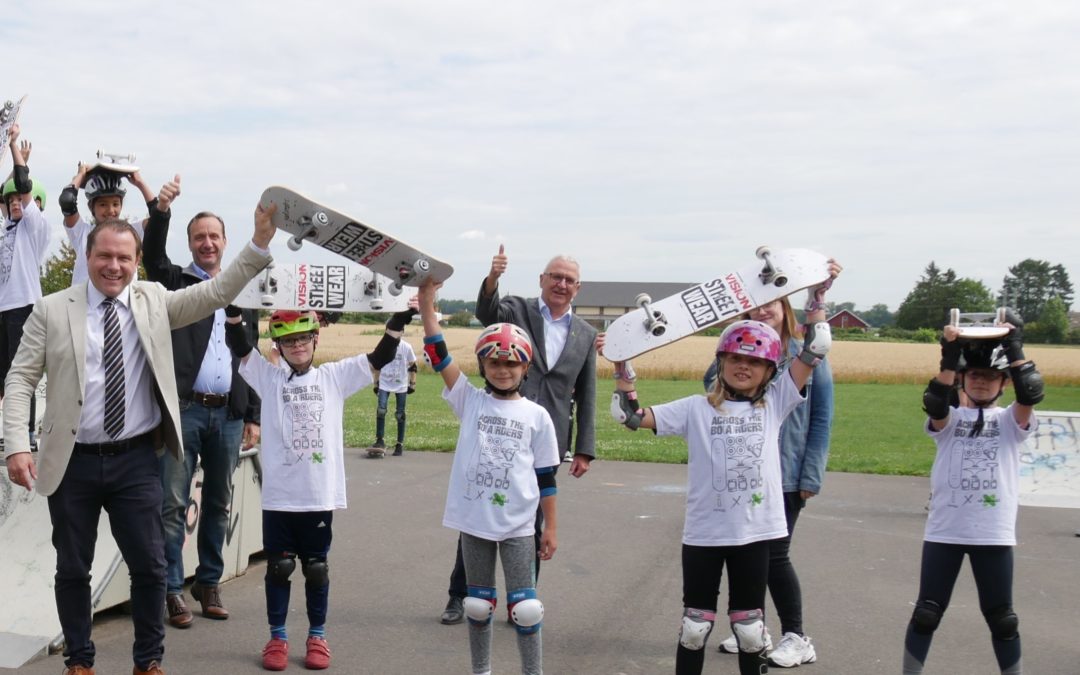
[(861, 362)]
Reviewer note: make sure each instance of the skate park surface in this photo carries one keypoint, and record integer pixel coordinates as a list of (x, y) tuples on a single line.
[(612, 593)]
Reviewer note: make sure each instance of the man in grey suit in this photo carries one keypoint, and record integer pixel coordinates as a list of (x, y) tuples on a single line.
[(562, 377), (112, 409)]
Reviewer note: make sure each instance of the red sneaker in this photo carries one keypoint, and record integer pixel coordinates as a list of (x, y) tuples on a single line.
[(275, 654), (318, 654)]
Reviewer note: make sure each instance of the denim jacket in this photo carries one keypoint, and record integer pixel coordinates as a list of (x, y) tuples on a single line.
[(804, 436)]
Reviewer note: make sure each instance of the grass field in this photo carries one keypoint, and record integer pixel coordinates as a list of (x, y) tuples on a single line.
[(877, 425)]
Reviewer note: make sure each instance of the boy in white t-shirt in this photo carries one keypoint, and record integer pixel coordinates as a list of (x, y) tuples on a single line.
[(974, 486), (303, 467), (503, 467), (399, 379)]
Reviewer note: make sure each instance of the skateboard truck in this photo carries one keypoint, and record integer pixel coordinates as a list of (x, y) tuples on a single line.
[(407, 273), (310, 224), (770, 274), (268, 287), (373, 289), (976, 319), (117, 158), (655, 322)]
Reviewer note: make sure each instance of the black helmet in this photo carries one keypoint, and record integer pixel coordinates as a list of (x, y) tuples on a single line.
[(103, 183), (982, 354)]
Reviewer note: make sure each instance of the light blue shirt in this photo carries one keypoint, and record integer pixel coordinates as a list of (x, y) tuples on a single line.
[(555, 333), (215, 373)]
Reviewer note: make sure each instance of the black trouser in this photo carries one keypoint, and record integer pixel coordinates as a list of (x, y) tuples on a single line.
[(11, 331), (783, 581), (703, 568), (128, 487)]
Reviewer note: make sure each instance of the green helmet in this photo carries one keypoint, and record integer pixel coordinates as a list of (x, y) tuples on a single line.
[(36, 191), (288, 322)]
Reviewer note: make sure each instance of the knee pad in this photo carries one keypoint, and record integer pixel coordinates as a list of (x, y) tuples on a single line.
[(1003, 622), (749, 628), (696, 626), (926, 617), (279, 568), (380, 411), (526, 611), (480, 605), (316, 573), (400, 416)]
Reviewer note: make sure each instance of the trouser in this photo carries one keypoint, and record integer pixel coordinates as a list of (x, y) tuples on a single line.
[(11, 331), (213, 440), (128, 487), (517, 556), (399, 414), (305, 535), (992, 567), (748, 569)]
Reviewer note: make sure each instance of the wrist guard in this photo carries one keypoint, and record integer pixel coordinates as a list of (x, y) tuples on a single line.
[(935, 399), (1027, 383), (232, 311), (950, 354), (625, 372), (399, 320), (236, 339), (436, 352), (816, 343), (815, 297), (625, 409), (1013, 342), (20, 176), (385, 351), (69, 200)]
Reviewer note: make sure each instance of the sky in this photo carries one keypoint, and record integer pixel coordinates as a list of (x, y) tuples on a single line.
[(653, 140)]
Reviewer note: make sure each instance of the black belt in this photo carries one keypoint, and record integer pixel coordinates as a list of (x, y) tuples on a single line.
[(210, 400), (114, 447)]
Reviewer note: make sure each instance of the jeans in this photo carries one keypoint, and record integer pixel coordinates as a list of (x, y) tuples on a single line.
[(213, 439), (399, 413)]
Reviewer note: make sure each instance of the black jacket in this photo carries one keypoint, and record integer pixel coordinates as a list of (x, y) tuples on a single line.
[(189, 342)]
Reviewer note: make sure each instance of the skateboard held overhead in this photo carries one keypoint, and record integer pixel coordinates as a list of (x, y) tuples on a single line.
[(9, 115), (113, 161), (979, 325), (311, 222), (321, 288), (778, 273)]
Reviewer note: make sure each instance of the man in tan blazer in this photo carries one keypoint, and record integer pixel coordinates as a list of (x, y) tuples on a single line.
[(111, 406)]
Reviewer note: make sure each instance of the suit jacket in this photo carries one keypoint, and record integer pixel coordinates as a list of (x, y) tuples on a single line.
[(191, 341), (54, 341), (561, 387)]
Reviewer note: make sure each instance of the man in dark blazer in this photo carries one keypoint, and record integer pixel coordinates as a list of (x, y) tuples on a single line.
[(218, 413), (107, 347), (562, 377)]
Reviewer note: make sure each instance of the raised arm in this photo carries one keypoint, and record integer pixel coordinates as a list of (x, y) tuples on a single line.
[(818, 334), (1027, 381), (487, 300), (69, 197), (156, 260), (625, 407), (434, 345)]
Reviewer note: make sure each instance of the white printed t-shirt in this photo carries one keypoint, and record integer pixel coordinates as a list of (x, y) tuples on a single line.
[(493, 493), (734, 496), (302, 451), (394, 376), (77, 235), (21, 251), (975, 481)]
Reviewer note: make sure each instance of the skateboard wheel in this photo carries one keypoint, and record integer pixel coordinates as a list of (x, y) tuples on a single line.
[(267, 300), (395, 289), (421, 266), (295, 243), (658, 329), (1001, 315), (320, 218), (762, 251), (376, 305), (642, 299), (954, 316), (780, 280)]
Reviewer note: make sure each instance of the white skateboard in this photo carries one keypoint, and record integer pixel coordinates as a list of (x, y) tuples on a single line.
[(979, 325), (322, 288)]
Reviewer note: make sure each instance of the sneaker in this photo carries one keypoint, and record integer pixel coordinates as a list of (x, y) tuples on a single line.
[(454, 612), (275, 655), (398, 450), (318, 654), (793, 650), (731, 644)]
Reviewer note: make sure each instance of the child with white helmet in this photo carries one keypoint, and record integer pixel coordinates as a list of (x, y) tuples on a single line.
[(735, 500), (503, 467), (974, 486), (303, 466)]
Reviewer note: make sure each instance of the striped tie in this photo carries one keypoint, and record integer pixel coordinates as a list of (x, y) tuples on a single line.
[(112, 358)]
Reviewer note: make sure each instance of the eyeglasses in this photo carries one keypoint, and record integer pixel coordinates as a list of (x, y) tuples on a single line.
[(294, 340), (557, 279)]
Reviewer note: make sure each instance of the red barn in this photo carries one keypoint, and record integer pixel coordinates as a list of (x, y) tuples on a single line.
[(847, 319)]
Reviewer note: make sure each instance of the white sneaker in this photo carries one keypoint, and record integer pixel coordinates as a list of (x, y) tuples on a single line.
[(793, 650), (731, 644)]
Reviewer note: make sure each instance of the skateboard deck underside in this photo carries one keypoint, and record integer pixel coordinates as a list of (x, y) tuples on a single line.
[(713, 302), (331, 288)]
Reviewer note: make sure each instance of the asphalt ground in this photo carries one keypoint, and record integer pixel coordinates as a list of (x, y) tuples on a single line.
[(612, 592)]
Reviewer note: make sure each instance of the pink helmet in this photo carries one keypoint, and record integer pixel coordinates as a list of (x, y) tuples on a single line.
[(504, 341), (751, 338)]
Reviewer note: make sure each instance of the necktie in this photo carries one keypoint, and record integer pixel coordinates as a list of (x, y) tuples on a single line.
[(112, 358)]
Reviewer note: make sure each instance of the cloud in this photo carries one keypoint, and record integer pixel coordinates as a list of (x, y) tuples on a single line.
[(472, 235)]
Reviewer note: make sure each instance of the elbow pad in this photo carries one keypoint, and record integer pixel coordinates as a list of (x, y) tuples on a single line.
[(236, 339), (935, 399), (1027, 383), (816, 343), (384, 352), (625, 409), (20, 176), (69, 200), (545, 478)]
